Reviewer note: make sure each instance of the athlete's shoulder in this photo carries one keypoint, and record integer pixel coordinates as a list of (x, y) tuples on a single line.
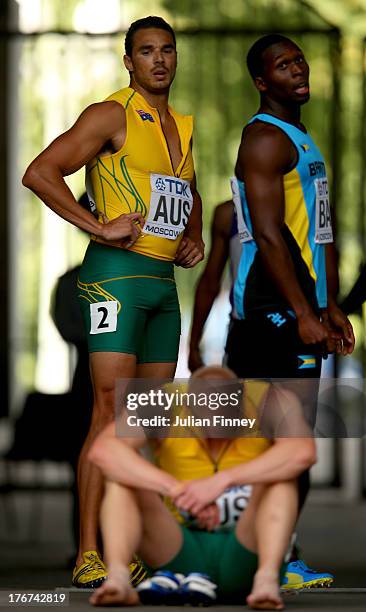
[(122, 96), (265, 146), (264, 132), (102, 118)]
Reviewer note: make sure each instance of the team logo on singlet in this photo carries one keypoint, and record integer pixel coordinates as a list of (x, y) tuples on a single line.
[(171, 203), (145, 116)]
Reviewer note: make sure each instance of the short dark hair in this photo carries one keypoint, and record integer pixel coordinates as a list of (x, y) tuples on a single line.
[(255, 53), (142, 24)]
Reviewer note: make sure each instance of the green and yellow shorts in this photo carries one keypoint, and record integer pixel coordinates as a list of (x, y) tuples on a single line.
[(129, 304)]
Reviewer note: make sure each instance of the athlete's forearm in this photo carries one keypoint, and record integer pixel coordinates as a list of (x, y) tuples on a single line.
[(121, 463), (278, 262), (48, 184), (206, 293), (283, 461)]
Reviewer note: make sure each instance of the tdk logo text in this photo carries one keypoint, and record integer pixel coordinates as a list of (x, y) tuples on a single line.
[(171, 186)]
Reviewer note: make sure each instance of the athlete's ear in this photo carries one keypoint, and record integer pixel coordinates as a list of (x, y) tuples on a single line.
[(260, 84), (128, 63)]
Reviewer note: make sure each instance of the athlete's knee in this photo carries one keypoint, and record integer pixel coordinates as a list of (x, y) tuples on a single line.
[(101, 452)]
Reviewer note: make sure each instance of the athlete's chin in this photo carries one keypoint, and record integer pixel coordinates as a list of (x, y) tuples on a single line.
[(302, 98), (160, 86)]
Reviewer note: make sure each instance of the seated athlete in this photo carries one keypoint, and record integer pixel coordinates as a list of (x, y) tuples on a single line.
[(194, 472)]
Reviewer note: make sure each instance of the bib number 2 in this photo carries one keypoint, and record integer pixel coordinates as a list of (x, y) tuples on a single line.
[(103, 317)]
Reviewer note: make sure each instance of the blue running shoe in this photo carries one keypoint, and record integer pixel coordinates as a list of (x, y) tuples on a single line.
[(197, 590), (300, 576), (161, 589)]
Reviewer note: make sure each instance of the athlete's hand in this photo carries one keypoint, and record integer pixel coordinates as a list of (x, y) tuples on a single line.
[(126, 228), (189, 252), (195, 359), (335, 319), (195, 495), (311, 330), (209, 517)]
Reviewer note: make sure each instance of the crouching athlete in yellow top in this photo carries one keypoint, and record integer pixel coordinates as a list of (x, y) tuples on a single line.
[(141, 185), (194, 472)]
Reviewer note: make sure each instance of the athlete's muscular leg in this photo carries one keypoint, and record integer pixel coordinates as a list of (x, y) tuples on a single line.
[(273, 514), (133, 521), (105, 369)]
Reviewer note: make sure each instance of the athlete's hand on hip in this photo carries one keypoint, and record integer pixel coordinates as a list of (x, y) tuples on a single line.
[(311, 330), (339, 322), (126, 228), (189, 252)]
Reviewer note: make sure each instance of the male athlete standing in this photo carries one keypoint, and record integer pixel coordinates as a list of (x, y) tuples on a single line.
[(287, 282), (140, 178)]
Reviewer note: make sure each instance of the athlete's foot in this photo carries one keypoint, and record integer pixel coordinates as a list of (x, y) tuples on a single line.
[(265, 593), (115, 590)]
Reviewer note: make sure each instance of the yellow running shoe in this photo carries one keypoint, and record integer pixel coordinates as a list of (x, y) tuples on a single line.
[(138, 572), (91, 573)]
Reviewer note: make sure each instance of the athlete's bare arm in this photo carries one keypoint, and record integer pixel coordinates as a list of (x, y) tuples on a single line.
[(120, 461), (209, 283), (265, 155), (285, 460), (333, 315), (101, 127), (192, 248)]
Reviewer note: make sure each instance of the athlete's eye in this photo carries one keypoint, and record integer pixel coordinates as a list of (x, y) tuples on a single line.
[(282, 66), (299, 60)]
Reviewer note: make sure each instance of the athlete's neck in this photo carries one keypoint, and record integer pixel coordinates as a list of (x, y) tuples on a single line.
[(156, 100), (290, 112)]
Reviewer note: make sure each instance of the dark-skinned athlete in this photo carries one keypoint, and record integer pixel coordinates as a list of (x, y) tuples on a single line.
[(287, 282)]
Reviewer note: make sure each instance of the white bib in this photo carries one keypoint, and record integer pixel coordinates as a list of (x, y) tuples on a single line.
[(103, 317), (171, 203), (244, 233), (231, 503), (323, 222)]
